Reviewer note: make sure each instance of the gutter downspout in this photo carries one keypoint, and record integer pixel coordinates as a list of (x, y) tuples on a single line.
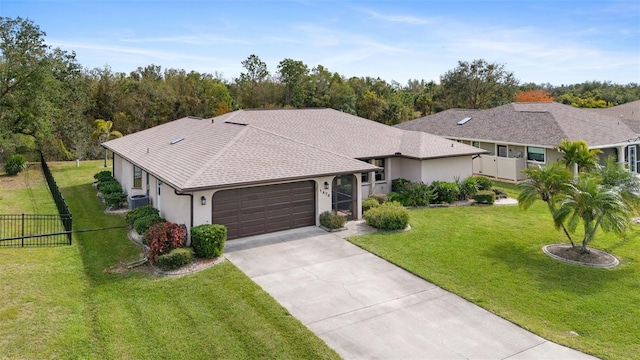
[(191, 211)]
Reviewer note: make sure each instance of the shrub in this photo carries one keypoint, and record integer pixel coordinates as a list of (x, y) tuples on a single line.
[(139, 212), (399, 185), (115, 199), (369, 203), (468, 188), (332, 220), (382, 198), (15, 164), (143, 223), (485, 197), (164, 237), (388, 216), (108, 187), (175, 259), (499, 193), (103, 176), (208, 240), (484, 183), (444, 192)]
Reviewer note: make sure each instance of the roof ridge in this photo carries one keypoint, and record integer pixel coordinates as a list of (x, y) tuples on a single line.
[(206, 165), (300, 142)]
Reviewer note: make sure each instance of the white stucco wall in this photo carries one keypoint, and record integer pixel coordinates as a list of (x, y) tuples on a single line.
[(446, 169), (410, 169)]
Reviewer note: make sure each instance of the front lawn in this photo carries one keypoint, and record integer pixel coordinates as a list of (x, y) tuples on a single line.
[(491, 255), (63, 302)]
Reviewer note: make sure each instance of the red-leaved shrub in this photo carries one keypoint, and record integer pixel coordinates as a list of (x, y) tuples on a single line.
[(164, 237)]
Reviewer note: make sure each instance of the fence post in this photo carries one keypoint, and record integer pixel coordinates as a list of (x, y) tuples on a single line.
[(22, 243)]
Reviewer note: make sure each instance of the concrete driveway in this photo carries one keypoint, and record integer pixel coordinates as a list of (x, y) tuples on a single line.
[(367, 308)]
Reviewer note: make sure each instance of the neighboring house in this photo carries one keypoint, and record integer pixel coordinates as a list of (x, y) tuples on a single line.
[(628, 113), (517, 135), (259, 171)]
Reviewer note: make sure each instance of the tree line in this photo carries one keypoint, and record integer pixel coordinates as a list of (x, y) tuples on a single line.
[(50, 102)]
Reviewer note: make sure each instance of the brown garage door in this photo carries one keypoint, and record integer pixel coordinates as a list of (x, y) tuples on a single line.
[(265, 209)]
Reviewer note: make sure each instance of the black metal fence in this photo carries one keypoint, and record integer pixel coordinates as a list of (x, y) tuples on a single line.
[(39, 229), (34, 230)]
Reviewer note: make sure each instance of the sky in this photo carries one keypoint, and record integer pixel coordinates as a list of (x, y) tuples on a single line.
[(557, 42)]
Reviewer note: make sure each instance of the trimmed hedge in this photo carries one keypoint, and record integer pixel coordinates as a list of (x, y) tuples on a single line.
[(444, 192), (485, 197), (412, 194), (112, 192), (369, 203), (15, 164), (208, 240), (484, 183), (144, 223), (468, 187), (139, 212), (175, 259), (388, 216), (103, 176), (332, 220)]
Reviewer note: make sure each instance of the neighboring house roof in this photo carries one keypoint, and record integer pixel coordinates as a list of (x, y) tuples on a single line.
[(543, 124), (192, 153), (629, 113), (349, 135)]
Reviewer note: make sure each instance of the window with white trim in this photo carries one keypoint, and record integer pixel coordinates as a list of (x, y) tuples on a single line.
[(137, 177), (535, 154)]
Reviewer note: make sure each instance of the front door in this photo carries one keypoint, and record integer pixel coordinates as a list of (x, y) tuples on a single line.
[(344, 196)]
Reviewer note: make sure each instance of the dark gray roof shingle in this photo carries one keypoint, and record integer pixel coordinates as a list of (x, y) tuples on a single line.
[(543, 124)]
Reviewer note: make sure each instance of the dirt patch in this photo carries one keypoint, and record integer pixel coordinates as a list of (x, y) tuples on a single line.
[(574, 255), (30, 178)]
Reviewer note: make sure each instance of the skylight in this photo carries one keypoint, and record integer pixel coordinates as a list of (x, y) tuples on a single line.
[(464, 121), (176, 140)]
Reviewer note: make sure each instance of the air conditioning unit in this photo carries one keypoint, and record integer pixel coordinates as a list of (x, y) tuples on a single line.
[(136, 201)]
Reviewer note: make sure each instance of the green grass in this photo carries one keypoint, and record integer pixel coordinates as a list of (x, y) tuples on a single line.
[(491, 255), (60, 302)]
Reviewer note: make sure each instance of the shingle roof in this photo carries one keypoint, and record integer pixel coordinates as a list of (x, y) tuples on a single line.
[(349, 135), (543, 124), (629, 113), (218, 154)]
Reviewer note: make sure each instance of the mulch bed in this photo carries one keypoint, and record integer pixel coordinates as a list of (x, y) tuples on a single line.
[(571, 255)]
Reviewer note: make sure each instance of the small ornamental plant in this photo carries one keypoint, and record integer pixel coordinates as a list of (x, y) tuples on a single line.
[(332, 221), (164, 237)]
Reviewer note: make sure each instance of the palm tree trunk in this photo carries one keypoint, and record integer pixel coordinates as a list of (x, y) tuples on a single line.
[(552, 209), (105, 157)]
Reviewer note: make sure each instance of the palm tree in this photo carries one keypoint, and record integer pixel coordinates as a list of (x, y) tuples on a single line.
[(615, 176), (547, 184), (577, 153), (594, 205), (103, 132)]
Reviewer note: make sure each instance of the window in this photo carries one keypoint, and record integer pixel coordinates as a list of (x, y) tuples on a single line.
[(475, 144), (137, 177), (365, 177), (535, 154), (379, 173)]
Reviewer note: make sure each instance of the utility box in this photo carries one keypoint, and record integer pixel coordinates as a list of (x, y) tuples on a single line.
[(136, 201)]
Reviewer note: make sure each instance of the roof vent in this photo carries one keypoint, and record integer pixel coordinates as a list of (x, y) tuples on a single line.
[(464, 121), (176, 140)]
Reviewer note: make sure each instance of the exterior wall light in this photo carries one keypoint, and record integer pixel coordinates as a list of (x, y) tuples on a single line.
[(326, 185), (203, 200)]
